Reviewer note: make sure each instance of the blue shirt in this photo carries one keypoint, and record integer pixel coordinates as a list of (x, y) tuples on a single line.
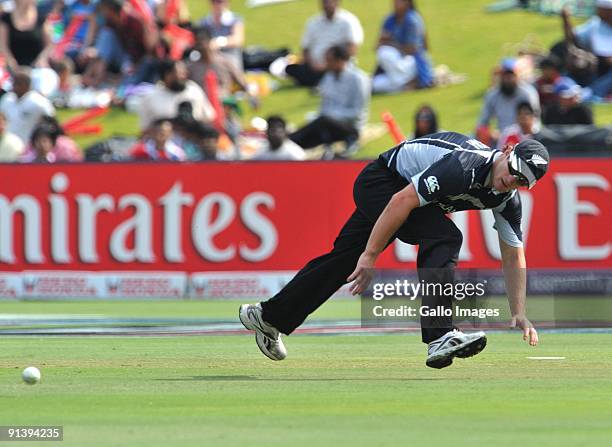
[(411, 31)]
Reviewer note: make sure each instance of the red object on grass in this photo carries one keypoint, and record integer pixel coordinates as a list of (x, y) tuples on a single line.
[(79, 120), (85, 129), (393, 127)]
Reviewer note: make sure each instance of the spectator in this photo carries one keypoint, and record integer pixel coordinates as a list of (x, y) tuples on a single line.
[(545, 84), (502, 100), (596, 37), (126, 43), (173, 90), (158, 145), (334, 27), (278, 146), (526, 127), (226, 29), (25, 39), (345, 93), (11, 146), (23, 107), (402, 51), (205, 57), (205, 140), (80, 27), (425, 121), (48, 145), (569, 109)]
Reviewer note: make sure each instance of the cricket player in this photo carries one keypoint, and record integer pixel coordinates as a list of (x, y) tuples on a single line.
[(406, 194)]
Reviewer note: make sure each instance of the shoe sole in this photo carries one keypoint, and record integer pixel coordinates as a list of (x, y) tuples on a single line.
[(469, 350), (473, 348)]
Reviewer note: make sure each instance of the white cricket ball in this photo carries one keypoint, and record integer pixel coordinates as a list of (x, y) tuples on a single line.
[(31, 375)]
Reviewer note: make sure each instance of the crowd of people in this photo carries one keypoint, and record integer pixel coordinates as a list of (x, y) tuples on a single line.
[(183, 78), (576, 73)]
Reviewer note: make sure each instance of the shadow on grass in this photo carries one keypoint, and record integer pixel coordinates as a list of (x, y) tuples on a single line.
[(300, 379)]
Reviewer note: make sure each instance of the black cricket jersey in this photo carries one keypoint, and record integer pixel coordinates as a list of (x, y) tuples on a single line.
[(449, 170)]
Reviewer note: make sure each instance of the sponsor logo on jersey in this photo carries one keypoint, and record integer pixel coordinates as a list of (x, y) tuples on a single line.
[(432, 184)]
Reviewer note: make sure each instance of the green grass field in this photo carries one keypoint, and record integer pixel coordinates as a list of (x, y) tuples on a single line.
[(461, 34), (332, 390)]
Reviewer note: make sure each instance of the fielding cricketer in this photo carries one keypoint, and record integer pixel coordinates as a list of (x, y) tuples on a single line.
[(406, 194)]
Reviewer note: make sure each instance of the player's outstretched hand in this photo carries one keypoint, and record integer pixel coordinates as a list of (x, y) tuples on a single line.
[(362, 276), (529, 332)]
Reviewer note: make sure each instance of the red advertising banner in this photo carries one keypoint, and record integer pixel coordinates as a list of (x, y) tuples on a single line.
[(261, 216)]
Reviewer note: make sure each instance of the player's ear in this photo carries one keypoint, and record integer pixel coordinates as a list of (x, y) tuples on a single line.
[(507, 149)]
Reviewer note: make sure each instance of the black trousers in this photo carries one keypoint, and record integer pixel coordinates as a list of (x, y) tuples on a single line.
[(439, 243), (324, 130), (304, 75)]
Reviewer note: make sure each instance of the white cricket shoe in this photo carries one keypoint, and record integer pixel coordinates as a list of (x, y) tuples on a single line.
[(454, 343), (267, 337)]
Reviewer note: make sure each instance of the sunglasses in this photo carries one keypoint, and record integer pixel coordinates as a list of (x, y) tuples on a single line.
[(521, 180)]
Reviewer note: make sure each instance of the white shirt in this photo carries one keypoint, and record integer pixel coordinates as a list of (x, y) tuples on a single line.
[(288, 151), (163, 103), (23, 114), (11, 147), (321, 33)]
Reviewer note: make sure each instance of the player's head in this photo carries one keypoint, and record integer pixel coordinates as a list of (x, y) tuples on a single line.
[(520, 166)]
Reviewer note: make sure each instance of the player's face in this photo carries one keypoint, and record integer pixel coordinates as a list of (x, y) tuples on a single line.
[(503, 179)]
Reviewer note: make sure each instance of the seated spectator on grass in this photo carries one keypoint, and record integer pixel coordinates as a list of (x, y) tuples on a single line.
[(501, 102), (226, 29), (526, 127), (172, 90), (158, 144), (23, 107), (25, 39), (545, 84), (425, 122), (11, 146), (569, 109), (345, 95), (49, 145), (205, 57), (126, 44), (402, 51), (333, 27), (595, 36), (278, 146), (78, 19)]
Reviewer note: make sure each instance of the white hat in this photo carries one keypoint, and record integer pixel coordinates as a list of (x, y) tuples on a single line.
[(604, 4)]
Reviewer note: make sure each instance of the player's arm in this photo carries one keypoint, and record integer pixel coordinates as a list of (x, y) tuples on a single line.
[(391, 219), (515, 274), (508, 225)]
